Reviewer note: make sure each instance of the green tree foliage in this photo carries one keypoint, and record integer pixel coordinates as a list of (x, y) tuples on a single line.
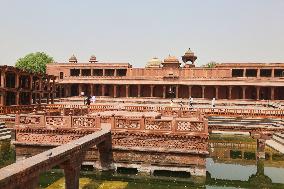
[(211, 64), (34, 62)]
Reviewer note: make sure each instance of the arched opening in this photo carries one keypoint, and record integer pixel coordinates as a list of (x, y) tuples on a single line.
[(223, 92), (158, 91), (196, 92), (10, 80), (133, 91), (236, 92), (209, 92), (10, 98), (183, 91), (251, 93), (24, 98)]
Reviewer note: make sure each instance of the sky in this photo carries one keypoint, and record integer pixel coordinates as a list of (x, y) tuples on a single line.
[(135, 31)]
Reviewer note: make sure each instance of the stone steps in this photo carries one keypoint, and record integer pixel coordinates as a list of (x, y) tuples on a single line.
[(5, 133), (275, 145)]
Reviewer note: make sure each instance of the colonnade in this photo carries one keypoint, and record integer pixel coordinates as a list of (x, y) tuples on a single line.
[(18, 87), (173, 91)]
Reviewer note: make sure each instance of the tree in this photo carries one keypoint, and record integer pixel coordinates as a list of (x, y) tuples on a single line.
[(34, 62), (211, 64)]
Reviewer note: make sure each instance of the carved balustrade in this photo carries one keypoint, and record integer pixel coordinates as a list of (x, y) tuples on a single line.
[(57, 122), (152, 125)]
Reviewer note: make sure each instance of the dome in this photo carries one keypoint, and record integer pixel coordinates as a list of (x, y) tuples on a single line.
[(189, 53), (93, 59), (73, 59), (154, 62), (171, 59), (189, 56)]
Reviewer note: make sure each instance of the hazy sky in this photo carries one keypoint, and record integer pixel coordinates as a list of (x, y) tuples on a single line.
[(135, 31)]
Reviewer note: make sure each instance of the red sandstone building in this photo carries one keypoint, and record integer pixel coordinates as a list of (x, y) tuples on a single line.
[(19, 87), (170, 79)]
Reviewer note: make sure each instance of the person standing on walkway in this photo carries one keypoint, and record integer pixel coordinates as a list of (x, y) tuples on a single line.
[(190, 102), (213, 103)]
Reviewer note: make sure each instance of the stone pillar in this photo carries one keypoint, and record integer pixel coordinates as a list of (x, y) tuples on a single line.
[(2, 100), (92, 89), (114, 91), (152, 90), (273, 72), (103, 90), (260, 148), (47, 98), (3, 75), (257, 92), (17, 82), (17, 101), (31, 82), (139, 91), (72, 170), (189, 91), (272, 92), (115, 72), (52, 98), (217, 92), (177, 91), (203, 90), (244, 91), (258, 73), (30, 98), (244, 73), (105, 154), (80, 89), (39, 98), (164, 91), (40, 85), (230, 92), (127, 91), (104, 72)]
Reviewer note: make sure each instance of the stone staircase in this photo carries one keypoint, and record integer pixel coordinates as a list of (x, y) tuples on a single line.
[(5, 133), (277, 141)]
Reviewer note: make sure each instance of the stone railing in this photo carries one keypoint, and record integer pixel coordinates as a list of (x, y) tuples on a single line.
[(151, 125), (242, 112), (58, 122), (20, 109)]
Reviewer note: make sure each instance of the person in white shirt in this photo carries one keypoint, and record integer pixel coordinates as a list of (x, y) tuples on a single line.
[(190, 102), (93, 99), (213, 103)]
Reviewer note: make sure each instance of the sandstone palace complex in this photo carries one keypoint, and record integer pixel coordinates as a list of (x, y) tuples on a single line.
[(169, 79)]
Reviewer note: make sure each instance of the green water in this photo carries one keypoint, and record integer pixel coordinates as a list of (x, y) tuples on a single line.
[(227, 168)]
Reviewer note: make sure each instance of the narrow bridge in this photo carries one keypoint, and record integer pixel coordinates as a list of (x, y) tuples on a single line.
[(24, 174)]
